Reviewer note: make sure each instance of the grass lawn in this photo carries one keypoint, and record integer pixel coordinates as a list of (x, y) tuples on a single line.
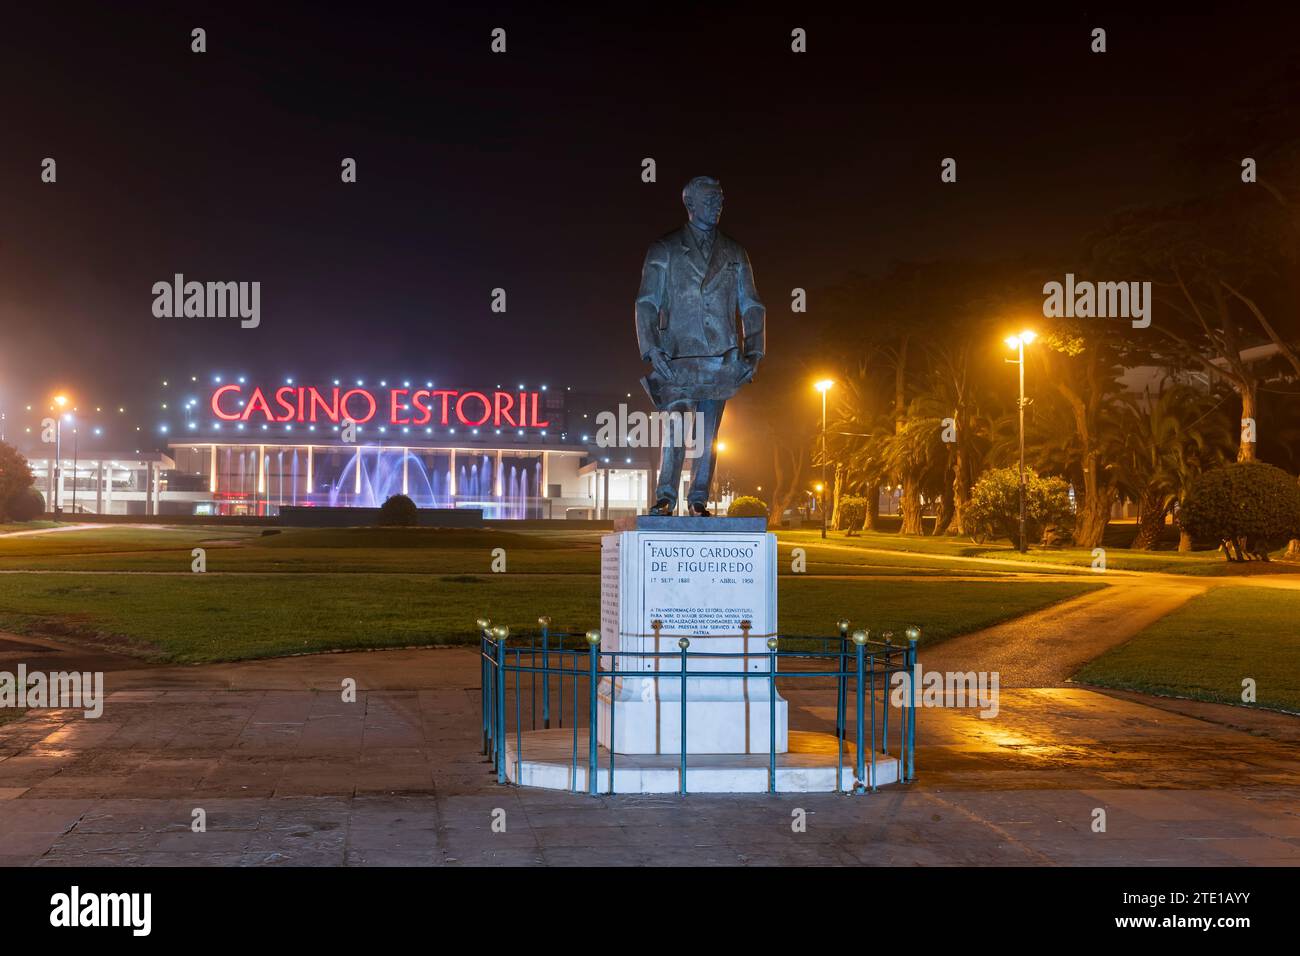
[(1206, 648), (1118, 557), (207, 617), (7, 527), (408, 551), (359, 550)]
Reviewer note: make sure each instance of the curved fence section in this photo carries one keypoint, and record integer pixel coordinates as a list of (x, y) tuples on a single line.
[(549, 679)]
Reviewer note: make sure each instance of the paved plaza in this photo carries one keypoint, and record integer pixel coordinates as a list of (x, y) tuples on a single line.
[(289, 774)]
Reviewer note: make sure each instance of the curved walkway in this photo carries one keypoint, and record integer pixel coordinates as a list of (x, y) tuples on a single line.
[(1043, 648)]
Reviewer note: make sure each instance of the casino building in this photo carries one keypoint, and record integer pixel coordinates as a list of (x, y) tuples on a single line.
[(253, 449)]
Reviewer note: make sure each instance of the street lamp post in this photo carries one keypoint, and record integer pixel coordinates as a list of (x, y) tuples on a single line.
[(1019, 342), (58, 465), (74, 470), (56, 504), (824, 386)]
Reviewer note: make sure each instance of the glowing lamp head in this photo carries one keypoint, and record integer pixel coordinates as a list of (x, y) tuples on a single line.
[(1024, 338), (60, 400), (824, 385)]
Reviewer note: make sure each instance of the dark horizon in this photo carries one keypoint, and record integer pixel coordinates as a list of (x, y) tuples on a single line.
[(522, 171)]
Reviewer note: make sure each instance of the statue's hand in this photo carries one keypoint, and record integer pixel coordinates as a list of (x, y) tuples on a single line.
[(662, 365)]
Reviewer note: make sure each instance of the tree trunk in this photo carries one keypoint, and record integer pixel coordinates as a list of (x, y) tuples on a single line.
[(1232, 549), (909, 504), (1292, 549), (1093, 509), (1093, 506), (1151, 520), (871, 520), (947, 512), (1184, 540), (786, 486), (835, 496), (1246, 450), (960, 494)]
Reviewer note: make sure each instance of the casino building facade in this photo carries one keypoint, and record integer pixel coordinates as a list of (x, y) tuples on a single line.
[(251, 449)]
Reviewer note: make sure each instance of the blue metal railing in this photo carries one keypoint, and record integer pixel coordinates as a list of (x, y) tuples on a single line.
[(862, 670)]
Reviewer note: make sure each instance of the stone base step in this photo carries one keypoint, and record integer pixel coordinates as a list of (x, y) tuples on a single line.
[(547, 761)]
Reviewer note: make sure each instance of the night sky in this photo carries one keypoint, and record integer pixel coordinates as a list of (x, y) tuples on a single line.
[(522, 171)]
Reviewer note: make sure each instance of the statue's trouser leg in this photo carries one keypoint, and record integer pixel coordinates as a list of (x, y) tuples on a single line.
[(672, 452), (702, 467)]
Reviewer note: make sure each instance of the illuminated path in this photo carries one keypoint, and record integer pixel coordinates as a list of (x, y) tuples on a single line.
[(1043, 648)]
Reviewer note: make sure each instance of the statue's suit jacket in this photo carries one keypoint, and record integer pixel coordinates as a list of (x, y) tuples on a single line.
[(688, 307)]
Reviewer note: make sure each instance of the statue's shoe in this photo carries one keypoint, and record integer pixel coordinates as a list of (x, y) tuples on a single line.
[(699, 510), (662, 507)]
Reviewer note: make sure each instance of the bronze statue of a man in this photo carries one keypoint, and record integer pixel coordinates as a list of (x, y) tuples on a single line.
[(694, 284)]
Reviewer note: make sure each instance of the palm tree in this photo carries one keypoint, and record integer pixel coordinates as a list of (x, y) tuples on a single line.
[(918, 456), (856, 436), (1170, 438)]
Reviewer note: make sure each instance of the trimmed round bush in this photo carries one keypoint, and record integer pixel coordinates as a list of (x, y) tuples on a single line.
[(398, 510), (26, 505), (1247, 506), (747, 506), (852, 512), (994, 507)]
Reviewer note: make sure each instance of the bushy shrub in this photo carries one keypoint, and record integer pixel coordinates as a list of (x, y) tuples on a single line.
[(994, 508), (747, 506), (1248, 506), (15, 480), (398, 510), (27, 505), (852, 512)]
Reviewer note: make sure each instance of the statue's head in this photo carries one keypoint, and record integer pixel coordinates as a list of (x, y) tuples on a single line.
[(702, 197)]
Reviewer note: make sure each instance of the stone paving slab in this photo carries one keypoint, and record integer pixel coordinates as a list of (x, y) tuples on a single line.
[(289, 775)]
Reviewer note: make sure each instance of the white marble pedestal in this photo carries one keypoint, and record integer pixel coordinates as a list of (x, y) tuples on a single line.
[(701, 582)]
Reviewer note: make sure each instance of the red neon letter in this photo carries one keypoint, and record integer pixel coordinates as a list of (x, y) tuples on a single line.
[(280, 400), (331, 411), (446, 394), (216, 403), (370, 400), (257, 399), (417, 402), (500, 412), (395, 408), (536, 422), (487, 408)]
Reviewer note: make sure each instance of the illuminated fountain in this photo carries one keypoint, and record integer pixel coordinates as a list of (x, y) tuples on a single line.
[(381, 478), (476, 482)]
